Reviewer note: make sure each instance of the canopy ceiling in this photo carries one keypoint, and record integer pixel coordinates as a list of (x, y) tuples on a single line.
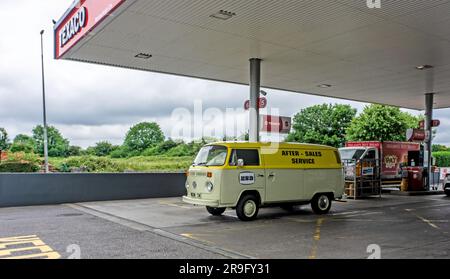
[(367, 55)]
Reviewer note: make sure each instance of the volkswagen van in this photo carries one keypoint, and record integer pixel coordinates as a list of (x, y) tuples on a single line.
[(247, 176)]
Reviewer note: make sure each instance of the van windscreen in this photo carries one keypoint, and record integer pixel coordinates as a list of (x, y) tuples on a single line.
[(212, 155), (351, 154)]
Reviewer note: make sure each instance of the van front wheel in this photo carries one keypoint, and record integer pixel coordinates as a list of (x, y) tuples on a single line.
[(248, 207), (321, 204), (215, 211)]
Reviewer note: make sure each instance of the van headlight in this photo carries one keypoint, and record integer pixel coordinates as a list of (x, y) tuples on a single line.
[(187, 185), (209, 186)]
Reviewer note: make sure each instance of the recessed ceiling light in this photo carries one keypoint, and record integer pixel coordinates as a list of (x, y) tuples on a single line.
[(223, 15), (424, 67), (143, 56), (324, 85)]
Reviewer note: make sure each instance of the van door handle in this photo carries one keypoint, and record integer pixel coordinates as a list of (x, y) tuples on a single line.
[(260, 175), (272, 175)]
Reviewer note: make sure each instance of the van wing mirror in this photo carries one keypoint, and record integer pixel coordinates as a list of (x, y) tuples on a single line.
[(240, 163)]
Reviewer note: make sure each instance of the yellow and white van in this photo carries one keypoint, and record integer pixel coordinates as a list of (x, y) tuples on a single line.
[(247, 176)]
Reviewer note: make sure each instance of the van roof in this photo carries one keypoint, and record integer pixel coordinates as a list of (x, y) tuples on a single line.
[(284, 145)]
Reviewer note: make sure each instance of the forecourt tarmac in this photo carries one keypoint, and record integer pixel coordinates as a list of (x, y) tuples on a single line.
[(400, 226)]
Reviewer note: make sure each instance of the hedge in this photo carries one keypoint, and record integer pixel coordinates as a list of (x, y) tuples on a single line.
[(442, 159), (14, 167), (90, 164)]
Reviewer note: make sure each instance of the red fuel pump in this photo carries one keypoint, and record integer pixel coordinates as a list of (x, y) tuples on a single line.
[(416, 170)]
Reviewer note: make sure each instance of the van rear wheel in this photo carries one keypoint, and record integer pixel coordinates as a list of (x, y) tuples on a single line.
[(247, 208), (321, 204), (215, 211)]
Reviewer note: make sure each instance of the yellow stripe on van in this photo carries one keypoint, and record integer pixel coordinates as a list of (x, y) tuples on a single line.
[(291, 155), (302, 158)]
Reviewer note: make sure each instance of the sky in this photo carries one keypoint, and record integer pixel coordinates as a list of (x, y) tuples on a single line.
[(92, 103)]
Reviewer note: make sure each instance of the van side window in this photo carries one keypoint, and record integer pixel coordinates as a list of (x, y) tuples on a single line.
[(250, 157)]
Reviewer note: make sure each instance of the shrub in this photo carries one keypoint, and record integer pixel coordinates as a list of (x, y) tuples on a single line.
[(21, 147), (121, 152), (442, 159), (151, 151), (104, 148), (90, 164), (74, 151), (154, 163), (181, 150), (23, 157), (21, 167), (161, 149)]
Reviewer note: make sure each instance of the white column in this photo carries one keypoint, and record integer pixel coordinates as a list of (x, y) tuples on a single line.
[(429, 102), (255, 88)]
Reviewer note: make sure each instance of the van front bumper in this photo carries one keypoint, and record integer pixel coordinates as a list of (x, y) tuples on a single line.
[(210, 203)]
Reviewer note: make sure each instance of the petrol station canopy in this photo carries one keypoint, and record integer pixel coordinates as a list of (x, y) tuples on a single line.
[(334, 48)]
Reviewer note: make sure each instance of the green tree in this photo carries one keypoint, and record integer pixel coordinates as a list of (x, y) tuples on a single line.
[(439, 148), (21, 138), (74, 151), (322, 124), (104, 148), (57, 145), (381, 123), (23, 143), (143, 136), (4, 140)]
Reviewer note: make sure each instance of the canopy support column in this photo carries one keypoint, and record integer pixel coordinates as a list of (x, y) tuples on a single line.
[(429, 102), (255, 89)]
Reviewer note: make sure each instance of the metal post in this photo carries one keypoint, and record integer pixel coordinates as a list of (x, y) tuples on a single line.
[(255, 89), (429, 102), (44, 105)]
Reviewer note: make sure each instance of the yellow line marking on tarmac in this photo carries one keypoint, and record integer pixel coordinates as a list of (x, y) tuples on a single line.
[(13, 248), (48, 256), (313, 253), (174, 205), (191, 236), (427, 221), (423, 219)]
